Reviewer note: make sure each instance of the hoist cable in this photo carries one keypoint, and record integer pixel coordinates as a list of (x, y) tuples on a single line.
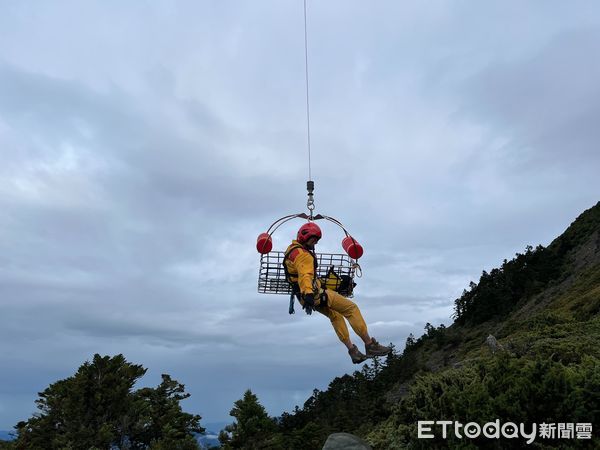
[(307, 101)]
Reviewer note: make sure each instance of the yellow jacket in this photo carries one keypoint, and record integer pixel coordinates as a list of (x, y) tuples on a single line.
[(301, 266)]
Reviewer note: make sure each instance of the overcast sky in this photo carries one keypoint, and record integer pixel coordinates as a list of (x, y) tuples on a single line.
[(145, 145)]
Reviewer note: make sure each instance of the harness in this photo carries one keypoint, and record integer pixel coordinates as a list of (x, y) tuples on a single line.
[(294, 283)]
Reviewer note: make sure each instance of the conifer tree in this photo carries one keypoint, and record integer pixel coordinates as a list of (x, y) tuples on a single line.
[(96, 409), (253, 429)]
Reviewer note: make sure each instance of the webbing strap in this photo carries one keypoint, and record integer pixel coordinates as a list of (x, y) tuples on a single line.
[(288, 277), (294, 284)]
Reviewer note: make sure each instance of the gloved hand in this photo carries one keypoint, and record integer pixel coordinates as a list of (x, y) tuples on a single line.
[(309, 303)]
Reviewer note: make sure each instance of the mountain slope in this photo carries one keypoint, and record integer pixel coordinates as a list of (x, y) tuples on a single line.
[(543, 366)]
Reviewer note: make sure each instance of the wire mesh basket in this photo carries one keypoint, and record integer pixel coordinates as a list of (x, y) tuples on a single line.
[(336, 272)]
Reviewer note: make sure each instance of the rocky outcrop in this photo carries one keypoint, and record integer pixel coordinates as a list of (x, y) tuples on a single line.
[(493, 344), (345, 441)]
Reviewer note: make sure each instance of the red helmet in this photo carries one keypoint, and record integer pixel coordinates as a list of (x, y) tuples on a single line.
[(307, 231)]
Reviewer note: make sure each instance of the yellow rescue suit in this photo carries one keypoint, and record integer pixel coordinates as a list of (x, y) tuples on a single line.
[(301, 267)]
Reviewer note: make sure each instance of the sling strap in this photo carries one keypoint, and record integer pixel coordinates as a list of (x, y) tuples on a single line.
[(288, 276)]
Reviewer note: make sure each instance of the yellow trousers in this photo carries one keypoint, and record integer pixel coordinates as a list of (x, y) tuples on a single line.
[(338, 310)]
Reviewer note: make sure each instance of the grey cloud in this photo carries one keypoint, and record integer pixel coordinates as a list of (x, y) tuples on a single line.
[(167, 332), (545, 103), (143, 150), (148, 167)]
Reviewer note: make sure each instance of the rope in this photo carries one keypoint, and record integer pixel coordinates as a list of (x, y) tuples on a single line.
[(307, 102)]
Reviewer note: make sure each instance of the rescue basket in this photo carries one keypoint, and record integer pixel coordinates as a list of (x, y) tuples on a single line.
[(336, 271)]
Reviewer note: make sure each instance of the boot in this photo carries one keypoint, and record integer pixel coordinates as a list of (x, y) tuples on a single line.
[(376, 349), (356, 355)]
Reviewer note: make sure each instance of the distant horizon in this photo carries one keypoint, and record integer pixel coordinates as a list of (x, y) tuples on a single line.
[(5, 434)]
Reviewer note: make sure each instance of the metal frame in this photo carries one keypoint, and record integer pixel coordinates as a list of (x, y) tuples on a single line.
[(271, 278)]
